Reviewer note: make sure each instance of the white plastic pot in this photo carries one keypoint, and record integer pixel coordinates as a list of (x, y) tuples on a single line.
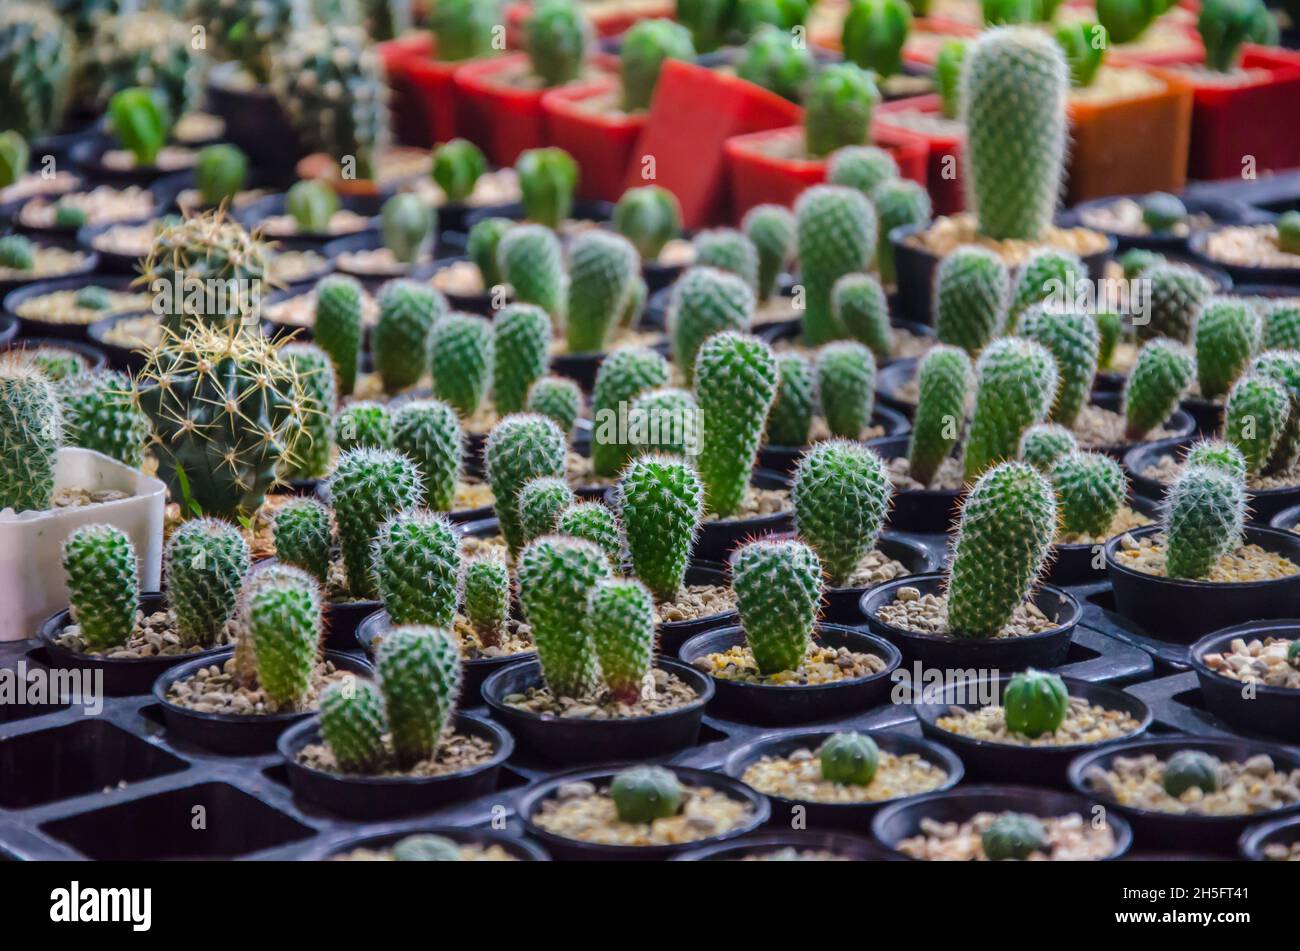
[(31, 543)]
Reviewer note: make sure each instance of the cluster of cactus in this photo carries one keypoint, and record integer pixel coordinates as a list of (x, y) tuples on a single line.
[(773, 61), (623, 376), (603, 270), (971, 297), (778, 588), (649, 217), (837, 235), (369, 487), (1015, 387), (645, 48), (520, 448), (1160, 378), (37, 66), (840, 493), (1203, 517), (556, 577), (100, 566), (944, 380), (100, 413), (735, 384), (146, 48), (465, 28), (206, 560)]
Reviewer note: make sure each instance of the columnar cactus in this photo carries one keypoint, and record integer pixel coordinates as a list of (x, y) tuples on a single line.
[(556, 36), (1224, 26), (462, 355), (465, 28), (944, 380), (547, 178), (736, 379), (595, 523), (369, 487), (1228, 333), (778, 586), (1110, 327), (555, 576), (37, 62), (899, 203), (846, 385), (1255, 418), (314, 451), (771, 229), (540, 503), (530, 260), (416, 564), (520, 448), (1073, 340), (661, 501), (457, 167), (400, 340), (338, 329), (100, 413), (862, 167), (874, 33), (282, 617), (665, 420), (623, 375), (840, 492), (1283, 366), (311, 204), (838, 108), (727, 250), (99, 564), (1090, 488), (1048, 276), (708, 20), (303, 536), (1044, 443), (558, 398), (485, 597), (971, 296), (646, 46), (649, 217), (790, 421), (429, 434), (521, 354), (859, 305), (206, 562), (364, 424), (1016, 383), (1281, 325), (482, 247), (352, 724), (705, 301), (419, 675), (602, 266), (1160, 378), (1008, 523), (1013, 95), (1176, 294), (837, 236), (1204, 513), (621, 625)]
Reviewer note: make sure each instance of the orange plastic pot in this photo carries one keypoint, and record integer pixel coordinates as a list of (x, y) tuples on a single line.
[(602, 143), (943, 171), (758, 177)]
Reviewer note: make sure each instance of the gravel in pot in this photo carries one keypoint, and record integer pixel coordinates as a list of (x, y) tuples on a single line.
[(126, 339), (788, 847), (1250, 676), (45, 261), (1250, 253), (59, 216), (435, 844), (1079, 559), (1166, 227), (102, 160), (1277, 841), (1154, 466), (68, 306)]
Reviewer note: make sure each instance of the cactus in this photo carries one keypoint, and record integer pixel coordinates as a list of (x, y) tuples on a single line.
[(465, 28), (771, 60), (1073, 340), (482, 246), (708, 20), (369, 487), (311, 204), (1048, 277), (838, 108), (540, 503), (99, 565), (547, 178), (485, 597), (1288, 232), (646, 46), (1014, 87), (462, 356), (1191, 769), (947, 75), (753, 15), (352, 724), (555, 576), (846, 385), (646, 793), (556, 36), (68, 216), (303, 536), (736, 379), (416, 564), (1228, 333), (93, 297), (1084, 47), (220, 173), (623, 375), (649, 217), (943, 379), (837, 236), (874, 32), (1125, 20), (602, 267), (1281, 325), (661, 501), (1008, 522), (1160, 378), (1035, 703), (400, 340), (407, 225), (840, 493), (849, 759), (419, 676), (314, 450), (37, 61), (1203, 516), (364, 424), (861, 167), (621, 625), (149, 49), (1177, 292), (14, 156), (790, 420), (17, 253), (771, 229), (100, 413), (1162, 211), (521, 447), (206, 562), (1090, 488), (634, 308), (1224, 26), (859, 305), (457, 167), (338, 329), (1016, 383), (558, 398), (1217, 453), (282, 618), (1044, 443), (778, 586), (592, 522), (665, 420), (899, 203), (727, 250), (251, 32), (531, 262), (1013, 837), (1283, 367), (971, 296), (1255, 418), (1136, 260), (521, 354), (1110, 327), (704, 302)]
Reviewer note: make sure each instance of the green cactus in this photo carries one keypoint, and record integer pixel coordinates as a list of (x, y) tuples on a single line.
[(1013, 837), (462, 356), (838, 108), (465, 28), (846, 385), (352, 724), (37, 63), (419, 675), (1255, 418), (100, 413), (251, 32), (837, 236), (1014, 88), (93, 297), (646, 46), (748, 17), (1035, 703), (1162, 211), (547, 179), (540, 503), (14, 156), (1007, 526), (1110, 328), (1136, 260), (220, 174), (557, 35), (623, 375), (595, 523), (1090, 488), (1283, 366), (790, 421), (1191, 769), (646, 793), (144, 48), (943, 380), (531, 262), (1177, 292), (337, 327), (314, 451), (1073, 340), (520, 448), (727, 250), (68, 216), (621, 626), (206, 561), (900, 203), (407, 225), (369, 487), (704, 302), (771, 229), (634, 307), (859, 305), (282, 620), (1217, 453), (1016, 383), (1125, 20), (861, 167), (778, 586), (1281, 325), (664, 420), (400, 341), (99, 564), (736, 378), (971, 296), (661, 502), (874, 33), (840, 493), (555, 575), (1160, 378), (1048, 277), (1224, 26), (521, 345), (482, 247), (457, 167), (485, 597), (772, 60), (416, 564), (947, 75), (303, 536), (649, 217), (364, 424), (1044, 443), (849, 759), (311, 204), (558, 398), (1228, 333), (602, 266), (1203, 516), (17, 253), (1288, 232)]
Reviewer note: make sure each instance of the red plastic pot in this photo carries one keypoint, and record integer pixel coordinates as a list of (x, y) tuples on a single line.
[(608, 17), (943, 162), (410, 120), (758, 177), (602, 143)]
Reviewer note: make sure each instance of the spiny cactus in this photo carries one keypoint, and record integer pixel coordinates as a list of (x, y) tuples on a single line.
[(874, 33), (1283, 366), (1044, 443), (337, 327), (1013, 97), (465, 28), (943, 380), (429, 434), (769, 59), (352, 724), (971, 296), (634, 307), (643, 794), (400, 340), (704, 302), (314, 450), (419, 675), (1203, 516), (649, 217), (846, 386), (621, 625), (1217, 453), (790, 421), (595, 523), (661, 501), (209, 251), (727, 250), (665, 420), (837, 236), (1255, 418), (646, 46), (862, 167), (547, 178), (303, 536), (859, 305), (1110, 327), (736, 379), (521, 354), (1224, 26), (1228, 332), (99, 564), (778, 586), (1160, 378), (1136, 260), (530, 261), (483, 245), (558, 398), (602, 266), (100, 413), (457, 167), (521, 447), (1016, 383), (37, 62), (206, 562), (1176, 293), (772, 231), (1008, 522), (462, 355), (485, 596), (1073, 340), (1281, 325), (540, 503), (556, 36), (364, 424), (899, 202), (369, 487), (838, 108), (282, 616), (555, 576), (1048, 276), (840, 492), (623, 375), (1090, 488), (416, 564)]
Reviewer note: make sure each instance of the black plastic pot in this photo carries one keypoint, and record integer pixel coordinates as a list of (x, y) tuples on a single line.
[(1278, 832), (370, 240), (1044, 651), (1275, 291), (386, 797), (575, 849), (793, 331), (87, 156), (119, 357), (820, 816), (1241, 273), (570, 740), (235, 735), (1222, 211), (915, 272), (1178, 610), (254, 213), (839, 844), (903, 820), (782, 705), (1078, 563), (518, 848), (1039, 765), (1272, 711), (1154, 829), (88, 266), (59, 145), (1288, 519), (784, 459), (31, 327), (8, 330), (95, 358), (1264, 504), (718, 538), (341, 617), (254, 122), (122, 676), (671, 635), (844, 605), (925, 511), (583, 367), (110, 262)]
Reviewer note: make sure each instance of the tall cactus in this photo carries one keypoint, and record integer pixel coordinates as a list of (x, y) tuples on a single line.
[(369, 487), (1203, 517), (462, 355), (837, 236), (283, 620), (338, 327), (736, 380), (1255, 418), (778, 586), (620, 622), (623, 375), (944, 380), (521, 447), (1074, 341), (971, 292), (846, 386), (1159, 379), (705, 301), (420, 676), (303, 536), (521, 354), (206, 562), (661, 501), (602, 267), (99, 564), (400, 340), (31, 430), (555, 576), (1016, 383), (1228, 333), (429, 434)]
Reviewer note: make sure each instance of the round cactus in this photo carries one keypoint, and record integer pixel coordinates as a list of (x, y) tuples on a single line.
[(100, 413), (206, 562), (352, 724), (31, 430), (1188, 769), (314, 450), (840, 493), (282, 616), (1224, 26), (646, 46), (429, 434), (943, 382), (1204, 512), (400, 340), (1035, 703), (338, 328), (368, 488), (99, 564), (426, 848), (530, 260), (595, 523), (874, 32), (837, 236), (520, 448), (1281, 325), (303, 536), (736, 379), (705, 301), (220, 173), (1255, 418), (556, 36), (17, 253), (661, 502), (465, 29), (364, 424), (1013, 837), (1228, 332), (789, 422), (649, 217), (555, 576), (623, 375), (521, 354), (860, 167), (311, 204), (416, 564), (1044, 443), (665, 420), (407, 224), (540, 503), (859, 305), (727, 249), (646, 793), (485, 597), (970, 298), (1159, 379), (1015, 388), (1288, 233), (838, 107), (1176, 295), (559, 399), (462, 356), (1090, 488), (457, 167), (419, 676), (850, 759), (621, 624), (778, 586), (602, 266), (772, 231), (846, 385), (1074, 341)]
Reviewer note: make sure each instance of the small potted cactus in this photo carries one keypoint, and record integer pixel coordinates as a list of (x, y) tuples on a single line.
[(310, 213), (1252, 252), (437, 844), (651, 218), (39, 66), (1158, 221), (19, 182), (403, 245), (548, 179), (24, 261)]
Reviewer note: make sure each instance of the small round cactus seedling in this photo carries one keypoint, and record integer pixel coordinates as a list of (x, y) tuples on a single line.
[(1255, 418), (1044, 443), (368, 488), (1160, 378), (1162, 211), (736, 379), (1191, 769), (520, 448), (703, 302), (778, 586), (649, 217), (462, 355), (1016, 384), (426, 848), (206, 563), (353, 726), (220, 173), (99, 564), (521, 354), (1288, 232), (1013, 837), (862, 167), (338, 327), (416, 564), (303, 536), (846, 384), (540, 503), (850, 759), (971, 293), (400, 339), (859, 304), (93, 297), (17, 253), (428, 433), (282, 618), (420, 675), (364, 424), (457, 167), (1218, 454), (1090, 489), (485, 597), (646, 793), (840, 493), (661, 502), (1204, 512), (555, 576), (621, 622), (943, 380), (837, 235), (1035, 703)]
